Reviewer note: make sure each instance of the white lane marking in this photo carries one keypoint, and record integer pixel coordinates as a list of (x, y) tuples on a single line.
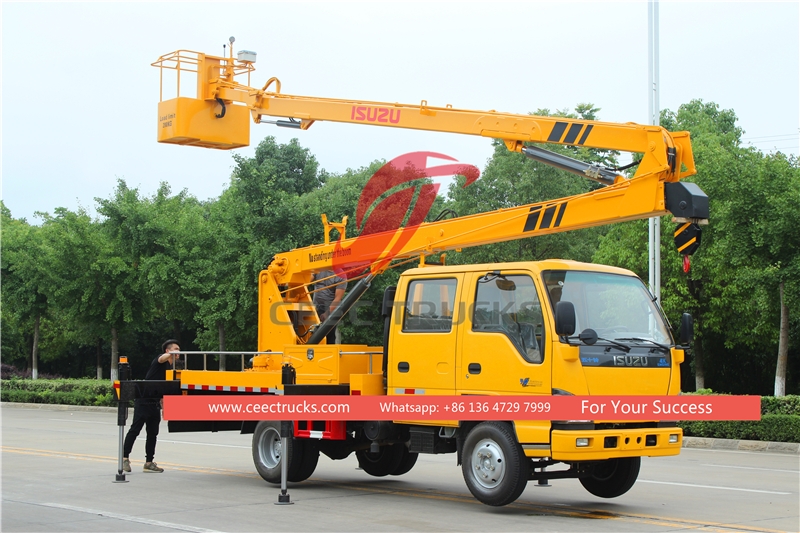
[(755, 468), (710, 487), (82, 421), (127, 518), (203, 444), (162, 440)]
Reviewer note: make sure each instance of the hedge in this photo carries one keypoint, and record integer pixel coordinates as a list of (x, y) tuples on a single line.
[(61, 391), (783, 405), (774, 428), (780, 422)]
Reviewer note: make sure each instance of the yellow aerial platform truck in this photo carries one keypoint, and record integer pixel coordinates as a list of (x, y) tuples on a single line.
[(478, 330)]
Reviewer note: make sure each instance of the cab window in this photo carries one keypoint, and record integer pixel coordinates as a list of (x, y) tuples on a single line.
[(429, 305), (509, 305)]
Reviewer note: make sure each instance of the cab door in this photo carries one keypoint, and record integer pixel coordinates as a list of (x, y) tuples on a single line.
[(504, 347), (422, 347)]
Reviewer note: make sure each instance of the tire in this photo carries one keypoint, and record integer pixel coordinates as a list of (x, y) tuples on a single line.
[(386, 461), (613, 477), (267, 452), (494, 465), (407, 462), (310, 458)]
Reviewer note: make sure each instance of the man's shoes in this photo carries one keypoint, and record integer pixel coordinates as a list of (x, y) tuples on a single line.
[(152, 467), (126, 465)]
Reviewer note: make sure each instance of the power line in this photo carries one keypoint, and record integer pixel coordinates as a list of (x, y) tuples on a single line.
[(771, 136), (770, 141)]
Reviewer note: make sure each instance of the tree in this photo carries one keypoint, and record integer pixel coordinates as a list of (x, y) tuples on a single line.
[(24, 281), (761, 216), (747, 261), (258, 216), (511, 179)]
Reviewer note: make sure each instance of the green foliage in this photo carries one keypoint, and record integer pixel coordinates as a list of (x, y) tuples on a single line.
[(25, 285), (772, 428), (780, 422), (58, 391), (783, 405), (750, 246)]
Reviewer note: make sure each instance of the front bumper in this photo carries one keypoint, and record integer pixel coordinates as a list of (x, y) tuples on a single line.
[(613, 443)]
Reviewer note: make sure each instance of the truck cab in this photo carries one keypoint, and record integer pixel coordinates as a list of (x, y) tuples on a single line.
[(491, 330)]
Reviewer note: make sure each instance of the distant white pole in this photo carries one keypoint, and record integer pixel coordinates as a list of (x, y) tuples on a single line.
[(654, 232)]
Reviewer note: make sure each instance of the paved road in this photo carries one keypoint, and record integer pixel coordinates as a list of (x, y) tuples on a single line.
[(58, 469)]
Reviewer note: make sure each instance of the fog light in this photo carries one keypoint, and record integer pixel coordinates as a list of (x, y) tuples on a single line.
[(581, 443), (673, 438)]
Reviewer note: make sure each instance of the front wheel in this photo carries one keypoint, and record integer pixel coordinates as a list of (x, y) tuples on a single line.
[(494, 465), (613, 477)]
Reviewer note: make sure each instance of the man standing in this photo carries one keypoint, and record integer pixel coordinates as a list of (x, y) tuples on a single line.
[(147, 411), (329, 291)]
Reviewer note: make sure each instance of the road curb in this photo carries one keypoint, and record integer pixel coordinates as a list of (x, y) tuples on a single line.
[(688, 442), (741, 445), (59, 407)]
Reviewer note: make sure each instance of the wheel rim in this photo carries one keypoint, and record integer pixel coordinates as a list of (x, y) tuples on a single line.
[(488, 464), (269, 448)]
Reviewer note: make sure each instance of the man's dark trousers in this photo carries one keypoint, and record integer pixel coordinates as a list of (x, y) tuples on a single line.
[(146, 411)]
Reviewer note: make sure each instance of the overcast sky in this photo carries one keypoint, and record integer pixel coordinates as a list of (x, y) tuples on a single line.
[(79, 97)]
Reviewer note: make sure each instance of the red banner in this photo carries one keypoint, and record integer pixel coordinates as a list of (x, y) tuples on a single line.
[(429, 407)]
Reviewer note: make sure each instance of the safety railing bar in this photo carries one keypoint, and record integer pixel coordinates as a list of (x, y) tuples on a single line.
[(232, 353), (206, 354)]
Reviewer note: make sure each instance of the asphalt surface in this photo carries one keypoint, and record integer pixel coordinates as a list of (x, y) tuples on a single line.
[(59, 466)]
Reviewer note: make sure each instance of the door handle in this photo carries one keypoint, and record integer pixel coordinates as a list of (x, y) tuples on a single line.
[(474, 368)]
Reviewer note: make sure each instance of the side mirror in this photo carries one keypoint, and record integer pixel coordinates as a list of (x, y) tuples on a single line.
[(565, 318), (588, 336), (687, 329), (505, 284)]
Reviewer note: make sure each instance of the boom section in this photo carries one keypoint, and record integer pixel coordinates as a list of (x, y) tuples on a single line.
[(218, 118), (623, 201)]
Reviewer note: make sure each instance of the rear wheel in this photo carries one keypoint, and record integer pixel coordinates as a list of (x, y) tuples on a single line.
[(613, 477), (383, 462), (268, 452), (407, 462), (494, 465), (310, 458)]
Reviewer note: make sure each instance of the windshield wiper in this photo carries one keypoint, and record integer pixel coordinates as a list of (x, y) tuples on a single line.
[(639, 339), (619, 345)]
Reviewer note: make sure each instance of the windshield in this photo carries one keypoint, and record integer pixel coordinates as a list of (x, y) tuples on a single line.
[(614, 305)]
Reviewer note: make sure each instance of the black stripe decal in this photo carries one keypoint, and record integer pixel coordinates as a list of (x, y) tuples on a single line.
[(585, 134), (533, 218), (548, 217), (560, 215), (558, 131), (573, 132)]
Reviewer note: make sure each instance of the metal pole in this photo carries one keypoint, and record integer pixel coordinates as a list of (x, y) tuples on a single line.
[(654, 224), (286, 432), (288, 377), (120, 478), (124, 373)]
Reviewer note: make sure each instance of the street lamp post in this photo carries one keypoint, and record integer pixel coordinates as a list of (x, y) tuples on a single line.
[(654, 226)]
